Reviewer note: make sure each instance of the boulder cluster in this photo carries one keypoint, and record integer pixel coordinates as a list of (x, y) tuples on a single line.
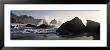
[(75, 27)]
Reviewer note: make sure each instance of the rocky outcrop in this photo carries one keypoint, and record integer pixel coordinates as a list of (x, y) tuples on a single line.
[(75, 27), (25, 19), (43, 26), (72, 27), (93, 28), (53, 22)]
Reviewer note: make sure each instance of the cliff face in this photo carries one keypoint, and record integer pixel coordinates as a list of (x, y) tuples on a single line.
[(27, 20), (21, 19), (24, 19), (72, 27)]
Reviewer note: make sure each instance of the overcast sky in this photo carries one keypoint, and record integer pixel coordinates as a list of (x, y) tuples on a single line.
[(62, 15)]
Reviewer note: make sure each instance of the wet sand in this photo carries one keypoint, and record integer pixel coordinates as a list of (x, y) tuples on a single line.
[(52, 36)]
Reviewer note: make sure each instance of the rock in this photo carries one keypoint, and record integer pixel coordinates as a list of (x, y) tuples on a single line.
[(30, 25), (53, 22), (42, 26), (72, 27), (75, 27), (93, 29), (12, 26)]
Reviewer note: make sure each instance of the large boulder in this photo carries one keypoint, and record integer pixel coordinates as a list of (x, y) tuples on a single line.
[(93, 29), (72, 27), (75, 27)]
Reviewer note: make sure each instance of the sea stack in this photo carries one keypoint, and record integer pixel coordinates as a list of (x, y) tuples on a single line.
[(93, 29), (73, 27), (53, 22)]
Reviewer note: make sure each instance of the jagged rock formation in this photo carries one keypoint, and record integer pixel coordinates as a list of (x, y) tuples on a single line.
[(72, 27), (53, 22), (24, 19), (75, 27)]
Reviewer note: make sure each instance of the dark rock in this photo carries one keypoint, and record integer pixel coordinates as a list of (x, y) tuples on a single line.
[(42, 26), (75, 27), (93, 29), (30, 25), (12, 26), (13, 20), (92, 26), (72, 27)]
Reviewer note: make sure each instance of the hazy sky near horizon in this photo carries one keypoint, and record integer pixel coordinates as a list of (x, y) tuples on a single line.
[(61, 15)]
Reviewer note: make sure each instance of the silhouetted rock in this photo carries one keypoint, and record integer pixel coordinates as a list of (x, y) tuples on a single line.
[(93, 28), (30, 25), (72, 27), (42, 26), (12, 26)]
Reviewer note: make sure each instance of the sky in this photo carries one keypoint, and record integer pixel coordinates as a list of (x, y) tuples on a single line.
[(61, 15)]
